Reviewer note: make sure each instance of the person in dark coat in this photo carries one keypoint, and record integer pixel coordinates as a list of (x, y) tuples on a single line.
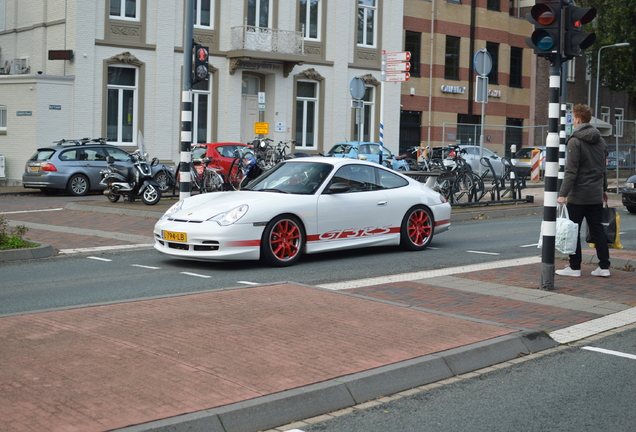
[(584, 189)]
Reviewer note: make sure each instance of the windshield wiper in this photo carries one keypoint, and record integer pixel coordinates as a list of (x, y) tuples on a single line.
[(273, 190)]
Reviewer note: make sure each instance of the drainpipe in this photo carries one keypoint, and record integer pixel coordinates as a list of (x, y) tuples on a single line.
[(471, 70), (430, 71)]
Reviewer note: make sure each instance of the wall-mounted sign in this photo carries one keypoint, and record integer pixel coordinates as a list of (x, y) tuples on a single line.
[(280, 126), (261, 128), (23, 113), (494, 93), (55, 107), (453, 89), (260, 65)]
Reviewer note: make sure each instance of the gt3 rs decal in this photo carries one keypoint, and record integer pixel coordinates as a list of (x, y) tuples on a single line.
[(350, 233)]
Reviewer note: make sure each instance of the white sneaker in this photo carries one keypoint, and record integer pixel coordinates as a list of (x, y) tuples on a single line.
[(569, 272), (601, 272)]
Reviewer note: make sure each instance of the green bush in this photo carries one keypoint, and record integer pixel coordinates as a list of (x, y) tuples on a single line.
[(13, 239)]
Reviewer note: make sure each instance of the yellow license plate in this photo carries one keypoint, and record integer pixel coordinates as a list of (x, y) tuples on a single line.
[(524, 160), (175, 236), (34, 169)]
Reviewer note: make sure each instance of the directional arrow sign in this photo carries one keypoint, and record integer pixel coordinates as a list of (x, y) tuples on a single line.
[(398, 56), (397, 66), (395, 77)]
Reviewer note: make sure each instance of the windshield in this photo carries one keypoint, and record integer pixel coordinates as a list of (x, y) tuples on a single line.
[(43, 155), (292, 177), (340, 149)]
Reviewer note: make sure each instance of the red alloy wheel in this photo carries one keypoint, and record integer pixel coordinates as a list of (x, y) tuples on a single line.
[(285, 240), (419, 227)]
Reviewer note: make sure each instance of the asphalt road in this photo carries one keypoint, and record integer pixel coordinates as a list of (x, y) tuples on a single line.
[(84, 279), (579, 389)]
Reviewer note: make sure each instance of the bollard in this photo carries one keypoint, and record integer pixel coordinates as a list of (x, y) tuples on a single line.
[(535, 161)]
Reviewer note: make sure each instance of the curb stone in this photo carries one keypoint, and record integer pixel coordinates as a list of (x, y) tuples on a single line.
[(42, 251)]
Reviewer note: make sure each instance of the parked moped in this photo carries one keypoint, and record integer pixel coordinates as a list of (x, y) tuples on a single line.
[(131, 180)]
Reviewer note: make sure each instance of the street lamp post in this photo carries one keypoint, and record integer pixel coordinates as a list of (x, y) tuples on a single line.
[(598, 75)]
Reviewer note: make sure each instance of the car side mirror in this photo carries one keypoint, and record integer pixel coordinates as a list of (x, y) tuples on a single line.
[(339, 188), (110, 159)]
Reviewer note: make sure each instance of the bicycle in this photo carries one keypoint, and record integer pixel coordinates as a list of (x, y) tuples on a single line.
[(237, 175)]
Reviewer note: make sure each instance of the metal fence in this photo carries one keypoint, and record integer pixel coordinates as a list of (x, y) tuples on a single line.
[(498, 138)]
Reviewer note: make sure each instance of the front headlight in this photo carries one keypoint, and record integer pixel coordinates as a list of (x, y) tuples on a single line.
[(629, 185), (231, 216), (175, 208)]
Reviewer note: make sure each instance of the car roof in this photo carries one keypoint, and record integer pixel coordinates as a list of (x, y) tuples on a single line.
[(335, 161), (222, 144)]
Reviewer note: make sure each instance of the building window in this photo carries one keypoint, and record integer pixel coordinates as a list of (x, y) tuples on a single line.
[(413, 44), (309, 19), (619, 114), (258, 13), (454, 1), (569, 69), (201, 112), (516, 71), (203, 14), (124, 9), (493, 49), (605, 114), (367, 22), (451, 65), (121, 117), (3, 118), (493, 5), (368, 119), (307, 114)]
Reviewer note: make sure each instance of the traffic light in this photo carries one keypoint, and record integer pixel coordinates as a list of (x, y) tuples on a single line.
[(200, 72), (546, 37), (575, 39)]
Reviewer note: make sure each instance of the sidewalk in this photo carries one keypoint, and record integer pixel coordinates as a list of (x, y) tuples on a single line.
[(259, 357)]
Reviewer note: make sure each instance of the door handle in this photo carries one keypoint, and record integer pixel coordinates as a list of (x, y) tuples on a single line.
[(382, 203)]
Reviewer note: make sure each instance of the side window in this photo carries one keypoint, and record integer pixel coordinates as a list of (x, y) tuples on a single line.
[(359, 178), (118, 154), (95, 154), (69, 155), (199, 152), (389, 180)]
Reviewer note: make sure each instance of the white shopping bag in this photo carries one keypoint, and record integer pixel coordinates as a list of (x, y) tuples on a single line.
[(567, 232)]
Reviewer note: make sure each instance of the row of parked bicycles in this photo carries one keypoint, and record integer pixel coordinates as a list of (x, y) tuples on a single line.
[(209, 175), (445, 170)]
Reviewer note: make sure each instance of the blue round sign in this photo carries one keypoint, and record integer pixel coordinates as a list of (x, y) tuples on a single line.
[(482, 62)]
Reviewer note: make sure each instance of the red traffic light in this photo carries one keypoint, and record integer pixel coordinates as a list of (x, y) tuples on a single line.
[(543, 14), (202, 54)]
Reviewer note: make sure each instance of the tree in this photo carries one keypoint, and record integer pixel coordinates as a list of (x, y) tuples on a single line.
[(615, 23)]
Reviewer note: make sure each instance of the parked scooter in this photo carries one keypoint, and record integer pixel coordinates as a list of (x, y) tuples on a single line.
[(130, 180)]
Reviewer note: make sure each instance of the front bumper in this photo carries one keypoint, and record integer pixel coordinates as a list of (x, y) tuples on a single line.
[(628, 196)]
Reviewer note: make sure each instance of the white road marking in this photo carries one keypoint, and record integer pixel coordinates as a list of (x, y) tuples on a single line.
[(32, 211), (247, 283), (433, 248), (104, 248), (610, 352), (595, 326), (99, 259), (530, 245), (195, 274), (146, 267), (484, 253), (431, 273)]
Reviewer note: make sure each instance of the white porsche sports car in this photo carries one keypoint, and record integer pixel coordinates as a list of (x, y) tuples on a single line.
[(305, 205)]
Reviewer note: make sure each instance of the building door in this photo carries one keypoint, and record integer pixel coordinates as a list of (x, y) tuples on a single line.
[(410, 130), (249, 107)]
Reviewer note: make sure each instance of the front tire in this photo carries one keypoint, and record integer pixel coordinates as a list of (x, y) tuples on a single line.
[(151, 195), (113, 197), (283, 241), (78, 185), (631, 209), (416, 232)]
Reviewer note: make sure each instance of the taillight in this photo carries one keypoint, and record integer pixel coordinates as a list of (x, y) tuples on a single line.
[(443, 199), (48, 167)]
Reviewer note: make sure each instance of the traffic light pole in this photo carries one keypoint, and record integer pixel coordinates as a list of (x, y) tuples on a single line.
[(551, 179), (186, 104)]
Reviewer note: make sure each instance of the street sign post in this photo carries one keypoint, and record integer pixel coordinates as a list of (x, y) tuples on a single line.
[(398, 56), (397, 76)]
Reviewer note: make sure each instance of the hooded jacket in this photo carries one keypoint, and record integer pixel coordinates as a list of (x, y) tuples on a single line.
[(585, 177)]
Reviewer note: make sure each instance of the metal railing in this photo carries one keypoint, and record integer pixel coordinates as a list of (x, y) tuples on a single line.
[(265, 39)]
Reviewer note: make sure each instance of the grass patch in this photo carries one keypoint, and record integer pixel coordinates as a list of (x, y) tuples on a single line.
[(12, 239)]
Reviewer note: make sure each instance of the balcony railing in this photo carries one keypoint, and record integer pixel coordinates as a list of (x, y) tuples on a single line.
[(267, 40)]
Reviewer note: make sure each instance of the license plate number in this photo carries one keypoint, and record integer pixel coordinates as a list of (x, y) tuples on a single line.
[(34, 169), (175, 236)]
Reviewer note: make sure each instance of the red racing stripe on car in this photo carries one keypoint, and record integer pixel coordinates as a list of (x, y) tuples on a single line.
[(244, 243), (442, 222)]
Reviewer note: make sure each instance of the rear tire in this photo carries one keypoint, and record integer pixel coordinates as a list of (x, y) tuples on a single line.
[(631, 209), (151, 195), (416, 232), (283, 241), (113, 198), (78, 185)]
